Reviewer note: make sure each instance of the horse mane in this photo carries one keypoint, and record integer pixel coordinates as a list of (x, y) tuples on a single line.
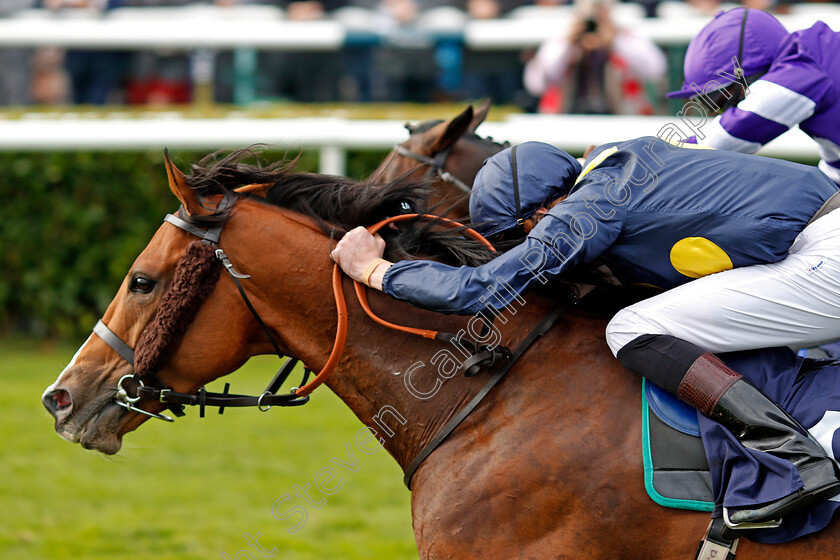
[(338, 204)]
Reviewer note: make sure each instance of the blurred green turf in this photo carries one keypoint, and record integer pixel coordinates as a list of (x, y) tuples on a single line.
[(191, 489)]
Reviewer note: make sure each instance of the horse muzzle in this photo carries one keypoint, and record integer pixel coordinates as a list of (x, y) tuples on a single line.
[(93, 421)]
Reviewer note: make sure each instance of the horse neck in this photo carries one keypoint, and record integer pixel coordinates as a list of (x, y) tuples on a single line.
[(296, 301)]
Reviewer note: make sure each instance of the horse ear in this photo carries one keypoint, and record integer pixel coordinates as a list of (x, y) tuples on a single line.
[(179, 187), (479, 115), (454, 129)]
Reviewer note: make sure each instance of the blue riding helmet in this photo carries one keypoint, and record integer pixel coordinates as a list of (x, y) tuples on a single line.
[(544, 173), (751, 35)]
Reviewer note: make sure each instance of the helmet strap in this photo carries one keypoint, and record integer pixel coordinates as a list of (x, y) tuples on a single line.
[(739, 71), (514, 171)]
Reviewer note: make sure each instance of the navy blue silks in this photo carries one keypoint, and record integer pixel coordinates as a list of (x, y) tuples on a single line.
[(630, 206)]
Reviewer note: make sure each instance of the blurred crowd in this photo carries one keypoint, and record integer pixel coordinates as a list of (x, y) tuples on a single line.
[(599, 66)]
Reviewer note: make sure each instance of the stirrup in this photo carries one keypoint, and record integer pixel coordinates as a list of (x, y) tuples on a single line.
[(747, 525)]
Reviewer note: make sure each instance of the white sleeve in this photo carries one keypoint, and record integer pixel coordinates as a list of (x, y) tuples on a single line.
[(548, 67), (645, 60)]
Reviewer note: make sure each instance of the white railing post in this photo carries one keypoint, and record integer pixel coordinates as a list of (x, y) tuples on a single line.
[(332, 160)]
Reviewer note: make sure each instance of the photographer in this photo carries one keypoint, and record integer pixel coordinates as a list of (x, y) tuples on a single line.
[(599, 68)]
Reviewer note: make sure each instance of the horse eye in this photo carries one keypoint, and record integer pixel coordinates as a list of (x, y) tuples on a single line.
[(141, 285), (406, 207)]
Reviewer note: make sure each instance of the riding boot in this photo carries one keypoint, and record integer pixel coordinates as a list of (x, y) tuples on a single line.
[(703, 381), (759, 424)]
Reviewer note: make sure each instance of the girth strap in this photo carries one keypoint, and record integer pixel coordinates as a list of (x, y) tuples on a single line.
[(719, 542), (538, 331)]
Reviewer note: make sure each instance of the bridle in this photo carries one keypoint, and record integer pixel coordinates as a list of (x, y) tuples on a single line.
[(149, 385), (437, 164)]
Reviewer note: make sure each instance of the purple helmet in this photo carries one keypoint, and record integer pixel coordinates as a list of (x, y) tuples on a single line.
[(544, 173), (753, 36)]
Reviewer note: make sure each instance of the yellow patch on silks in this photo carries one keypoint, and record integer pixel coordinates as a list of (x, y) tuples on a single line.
[(696, 257)]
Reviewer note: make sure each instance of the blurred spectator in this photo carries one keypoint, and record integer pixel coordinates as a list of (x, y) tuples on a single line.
[(492, 74), (15, 77), (598, 69), (706, 7), (306, 76), (781, 80), (94, 74), (157, 76), (50, 85), (391, 60)]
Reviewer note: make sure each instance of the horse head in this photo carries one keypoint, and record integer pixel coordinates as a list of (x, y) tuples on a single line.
[(447, 152), (233, 274)]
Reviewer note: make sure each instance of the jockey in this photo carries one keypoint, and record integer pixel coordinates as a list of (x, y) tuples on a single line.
[(665, 215), (780, 80)]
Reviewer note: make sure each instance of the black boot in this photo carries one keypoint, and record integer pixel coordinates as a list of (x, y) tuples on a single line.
[(703, 381), (760, 424)]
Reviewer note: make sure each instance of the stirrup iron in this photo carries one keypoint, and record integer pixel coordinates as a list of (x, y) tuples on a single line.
[(745, 526)]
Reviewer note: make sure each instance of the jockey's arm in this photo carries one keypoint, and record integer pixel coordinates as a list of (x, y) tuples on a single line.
[(557, 243), (751, 124), (781, 99)]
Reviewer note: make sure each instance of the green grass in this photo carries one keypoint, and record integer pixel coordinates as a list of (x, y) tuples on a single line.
[(191, 489)]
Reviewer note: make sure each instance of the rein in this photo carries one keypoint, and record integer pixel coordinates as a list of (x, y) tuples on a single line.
[(483, 356)]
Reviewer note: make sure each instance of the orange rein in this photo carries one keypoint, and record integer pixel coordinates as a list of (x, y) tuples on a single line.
[(341, 304)]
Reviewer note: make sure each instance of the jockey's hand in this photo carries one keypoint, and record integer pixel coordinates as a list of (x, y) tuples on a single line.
[(359, 254)]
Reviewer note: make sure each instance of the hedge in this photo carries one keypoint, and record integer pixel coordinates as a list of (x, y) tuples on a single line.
[(73, 223)]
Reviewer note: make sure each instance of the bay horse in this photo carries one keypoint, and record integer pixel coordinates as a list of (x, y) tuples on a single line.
[(447, 153), (549, 465)]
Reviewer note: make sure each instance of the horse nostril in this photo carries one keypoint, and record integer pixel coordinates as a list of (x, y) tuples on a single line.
[(62, 399), (57, 401)]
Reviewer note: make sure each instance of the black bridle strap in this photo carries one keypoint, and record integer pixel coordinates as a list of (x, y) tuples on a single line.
[(538, 331), (436, 165), (236, 276), (224, 400)]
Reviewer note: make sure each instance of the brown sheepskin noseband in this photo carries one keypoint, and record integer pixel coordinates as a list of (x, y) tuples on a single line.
[(195, 277)]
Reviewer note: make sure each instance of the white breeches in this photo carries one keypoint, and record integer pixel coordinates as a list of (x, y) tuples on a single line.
[(794, 302)]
